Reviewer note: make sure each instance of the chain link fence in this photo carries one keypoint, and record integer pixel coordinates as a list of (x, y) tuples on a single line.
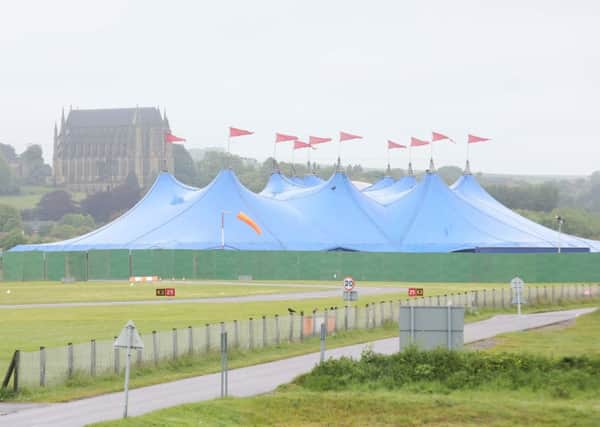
[(54, 366)]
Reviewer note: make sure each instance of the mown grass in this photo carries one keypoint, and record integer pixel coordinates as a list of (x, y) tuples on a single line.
[(581, 336), (413, 388), (298, 407), (57, 292)]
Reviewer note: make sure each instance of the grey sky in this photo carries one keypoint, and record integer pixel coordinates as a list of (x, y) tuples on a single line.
[(525, 73)]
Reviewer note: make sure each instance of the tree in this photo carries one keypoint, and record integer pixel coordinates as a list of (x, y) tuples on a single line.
[(7, 183), (11, 227), (107, 205), (450, 174), (185, 168), (33, 168), (54, 205)]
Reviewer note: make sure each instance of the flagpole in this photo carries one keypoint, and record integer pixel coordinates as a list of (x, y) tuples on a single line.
[(274, 156), (388, 158), (223, 230), (339, 159)]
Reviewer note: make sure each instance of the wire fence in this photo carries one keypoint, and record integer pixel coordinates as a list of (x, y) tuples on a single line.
[(54, 366)]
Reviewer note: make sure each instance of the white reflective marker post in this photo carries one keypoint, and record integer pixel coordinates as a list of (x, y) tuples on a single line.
[(517, 285), (129, 339)]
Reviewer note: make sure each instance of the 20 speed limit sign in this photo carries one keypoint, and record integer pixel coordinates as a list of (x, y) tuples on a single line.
[(348, 284)]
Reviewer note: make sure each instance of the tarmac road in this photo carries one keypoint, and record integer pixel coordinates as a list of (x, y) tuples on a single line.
[(247, 381)]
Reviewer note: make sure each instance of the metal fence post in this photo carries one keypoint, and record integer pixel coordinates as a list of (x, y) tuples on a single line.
[(117, 359), (552, 295), (562, 291), (174, 333), (16, 371), (381, 313), (391, 311), (264, 331), (250, 333), (155, 347), (438, 300), (345, 318), (449, 328), (207, 332), (528, 294), (545, 293), (356, 317), (494, 297), (335, 322), (323, 335), (236, 334), (326, 319), (42, 366), (485, 298), (224, 373), (302, 326), (70, 359), (314, 323), (291, 327), (366, 316), (277, 333), (190, 340), (93, 358), (412, 324)]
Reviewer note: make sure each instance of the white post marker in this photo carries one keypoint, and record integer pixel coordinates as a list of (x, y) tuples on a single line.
[(517, 285), (129, 339)]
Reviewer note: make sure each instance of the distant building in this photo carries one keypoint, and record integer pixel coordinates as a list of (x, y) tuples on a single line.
[(95, 150)]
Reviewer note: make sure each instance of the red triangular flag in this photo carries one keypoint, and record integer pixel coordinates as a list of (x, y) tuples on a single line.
[(416, 142), (282, 137), (238, 132), (472, 139), (344, 136), (436, 136), (392, 144), (169, 137), (300, 144), (313, 140)]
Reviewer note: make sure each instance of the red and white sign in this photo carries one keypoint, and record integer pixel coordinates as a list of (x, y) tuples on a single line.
[(349, 284), (165, 292), (415, 292)]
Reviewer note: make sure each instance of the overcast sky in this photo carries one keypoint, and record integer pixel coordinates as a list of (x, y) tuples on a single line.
[(525, 73)]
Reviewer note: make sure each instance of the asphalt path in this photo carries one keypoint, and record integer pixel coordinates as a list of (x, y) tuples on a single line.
[(334, 291), (243, 382)]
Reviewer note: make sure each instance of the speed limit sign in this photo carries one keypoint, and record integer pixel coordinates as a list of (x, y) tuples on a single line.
[(348, 284)]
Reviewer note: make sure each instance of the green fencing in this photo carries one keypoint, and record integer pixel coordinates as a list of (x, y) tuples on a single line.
[(230, 265)]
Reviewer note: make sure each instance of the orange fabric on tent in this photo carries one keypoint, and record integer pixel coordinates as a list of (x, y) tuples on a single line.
[(245, 218)]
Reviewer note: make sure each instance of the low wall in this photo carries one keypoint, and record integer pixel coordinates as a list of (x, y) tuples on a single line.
[(288, 265)]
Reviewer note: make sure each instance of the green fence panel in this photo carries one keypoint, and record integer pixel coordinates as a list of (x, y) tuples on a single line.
[(12, 265), (34, 266), (55, 265), (183, 264), (66, 264), (110, 264), (289, 265)]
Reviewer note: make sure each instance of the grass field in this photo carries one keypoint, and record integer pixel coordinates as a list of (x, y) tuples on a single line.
[(580, 337), (57, 292), (30, 196), (297, 407)]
